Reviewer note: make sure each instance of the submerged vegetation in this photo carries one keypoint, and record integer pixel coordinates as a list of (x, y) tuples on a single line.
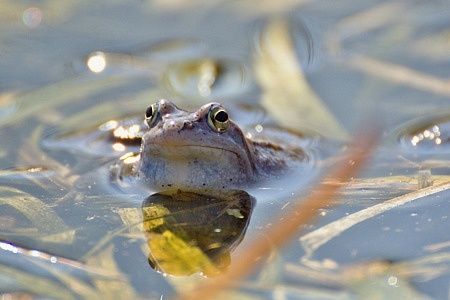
[(368, 219)]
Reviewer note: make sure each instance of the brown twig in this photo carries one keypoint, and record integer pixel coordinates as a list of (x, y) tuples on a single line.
[(303, 212)]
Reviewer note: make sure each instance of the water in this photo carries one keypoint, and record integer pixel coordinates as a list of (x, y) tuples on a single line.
[(69, 68)]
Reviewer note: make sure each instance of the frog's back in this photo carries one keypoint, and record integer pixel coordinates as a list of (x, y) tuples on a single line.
[(277, 150)]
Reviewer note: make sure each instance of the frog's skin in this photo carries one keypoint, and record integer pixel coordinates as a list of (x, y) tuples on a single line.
[(204, 149)]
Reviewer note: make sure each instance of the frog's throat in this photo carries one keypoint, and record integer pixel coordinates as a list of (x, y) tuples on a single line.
[(177, 164)]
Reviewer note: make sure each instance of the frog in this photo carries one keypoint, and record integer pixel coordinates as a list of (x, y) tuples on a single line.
[(202, 149)]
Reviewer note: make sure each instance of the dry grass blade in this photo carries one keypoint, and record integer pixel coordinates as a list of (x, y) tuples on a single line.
[(34, 284), (400, 74), (304, 211), (43, 217), (287, 94), (109, 288), (324, 234), (373, 18)]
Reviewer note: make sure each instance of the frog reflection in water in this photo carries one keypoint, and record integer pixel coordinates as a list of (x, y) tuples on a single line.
[(203, 149)]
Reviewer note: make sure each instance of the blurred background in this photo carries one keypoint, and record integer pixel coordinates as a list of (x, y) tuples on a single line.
[(320, 68)]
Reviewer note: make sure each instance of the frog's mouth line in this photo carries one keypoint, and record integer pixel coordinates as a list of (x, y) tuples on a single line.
[(193, 148), (203, 152)]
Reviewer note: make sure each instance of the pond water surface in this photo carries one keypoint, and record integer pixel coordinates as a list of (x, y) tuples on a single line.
[(70, 71)]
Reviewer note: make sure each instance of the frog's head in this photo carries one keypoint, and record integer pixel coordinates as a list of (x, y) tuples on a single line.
[(191, 150)]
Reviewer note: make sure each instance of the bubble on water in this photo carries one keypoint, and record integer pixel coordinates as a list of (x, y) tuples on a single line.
[(96, 62), (392, 280), (32, 17)]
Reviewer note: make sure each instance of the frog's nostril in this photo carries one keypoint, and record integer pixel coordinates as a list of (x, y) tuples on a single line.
[(188, 125)]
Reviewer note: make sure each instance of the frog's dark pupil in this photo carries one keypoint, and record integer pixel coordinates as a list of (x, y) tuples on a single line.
[(149, 112), (221, 116)]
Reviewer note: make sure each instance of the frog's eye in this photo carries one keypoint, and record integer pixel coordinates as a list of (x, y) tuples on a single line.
[(151, 114), (218, 118)]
